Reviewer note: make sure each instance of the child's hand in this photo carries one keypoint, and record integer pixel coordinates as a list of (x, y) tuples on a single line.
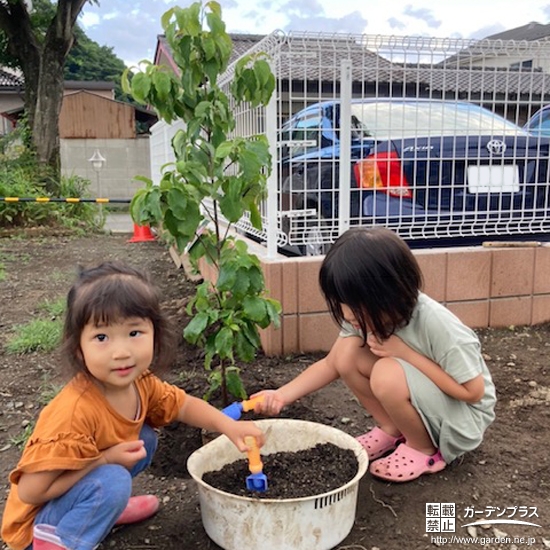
[(238, 430), (391, 347), (272, 403), (127, 454)]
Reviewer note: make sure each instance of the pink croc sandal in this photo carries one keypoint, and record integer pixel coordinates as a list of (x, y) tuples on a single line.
[(377, 442), (406, 464), (138, 509)]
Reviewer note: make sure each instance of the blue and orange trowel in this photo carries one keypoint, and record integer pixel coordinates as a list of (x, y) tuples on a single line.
[(235, 410), (257, 480)]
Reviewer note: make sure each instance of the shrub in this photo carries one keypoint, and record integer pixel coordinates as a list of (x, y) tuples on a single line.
[(215, 181)]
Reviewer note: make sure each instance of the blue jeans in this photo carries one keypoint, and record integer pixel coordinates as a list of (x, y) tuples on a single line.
[(85, 514)]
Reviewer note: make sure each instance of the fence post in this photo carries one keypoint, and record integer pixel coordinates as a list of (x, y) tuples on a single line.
[(345, 146), (273, 179)]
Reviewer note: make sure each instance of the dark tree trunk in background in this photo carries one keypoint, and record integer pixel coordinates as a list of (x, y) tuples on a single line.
[(42, 63)]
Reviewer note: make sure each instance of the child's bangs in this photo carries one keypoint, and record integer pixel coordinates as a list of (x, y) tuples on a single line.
[(119, 298)]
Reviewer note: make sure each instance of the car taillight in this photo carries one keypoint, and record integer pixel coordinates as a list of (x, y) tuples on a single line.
[(382, 171)]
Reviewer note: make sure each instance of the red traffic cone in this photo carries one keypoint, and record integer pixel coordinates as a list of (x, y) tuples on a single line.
[(142, 233)]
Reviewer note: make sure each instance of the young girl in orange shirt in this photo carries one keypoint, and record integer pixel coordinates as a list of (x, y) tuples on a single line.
[(74, 479)]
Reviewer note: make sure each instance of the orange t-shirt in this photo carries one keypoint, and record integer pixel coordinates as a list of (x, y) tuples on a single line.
[(73, 430)]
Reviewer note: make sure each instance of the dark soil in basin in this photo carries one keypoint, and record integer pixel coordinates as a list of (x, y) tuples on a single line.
[(305, 473)]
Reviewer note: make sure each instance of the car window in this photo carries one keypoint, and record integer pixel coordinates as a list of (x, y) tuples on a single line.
[(307, 128), (387, 120), (540, 123), (358, 129)]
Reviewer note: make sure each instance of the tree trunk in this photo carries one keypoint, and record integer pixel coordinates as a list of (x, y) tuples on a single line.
[(42, 62), (49, 97)]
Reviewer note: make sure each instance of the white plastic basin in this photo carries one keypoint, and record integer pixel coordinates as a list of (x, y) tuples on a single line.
[(317, 522)]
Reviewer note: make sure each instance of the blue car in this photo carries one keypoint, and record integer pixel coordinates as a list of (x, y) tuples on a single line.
[(539, 123), (430, 169)]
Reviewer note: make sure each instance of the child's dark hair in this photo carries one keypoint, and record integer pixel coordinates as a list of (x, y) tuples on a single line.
[(376, 275), (108, 293)]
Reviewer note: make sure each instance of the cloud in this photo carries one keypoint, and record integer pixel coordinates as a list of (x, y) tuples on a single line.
[(395, 23), (88, 20), (422, 14), (488, 30), (130, 28), (302, 8), (353, 23), (310, 15)]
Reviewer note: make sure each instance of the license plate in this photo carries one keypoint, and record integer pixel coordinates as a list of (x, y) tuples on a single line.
[(493, 179)]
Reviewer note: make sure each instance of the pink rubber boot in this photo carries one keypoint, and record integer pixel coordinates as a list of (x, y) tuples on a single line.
[(138, 509), (45, 538)]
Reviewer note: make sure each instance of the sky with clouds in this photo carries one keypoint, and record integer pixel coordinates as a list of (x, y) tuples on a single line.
[(131, 27)]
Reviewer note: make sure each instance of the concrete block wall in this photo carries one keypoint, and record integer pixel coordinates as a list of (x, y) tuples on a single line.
[(125, 159), (484, 287)]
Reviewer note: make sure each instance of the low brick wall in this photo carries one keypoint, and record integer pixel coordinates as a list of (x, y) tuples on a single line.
[(483, 286)]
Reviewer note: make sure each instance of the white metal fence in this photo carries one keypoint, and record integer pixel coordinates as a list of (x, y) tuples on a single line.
[(440, 175)]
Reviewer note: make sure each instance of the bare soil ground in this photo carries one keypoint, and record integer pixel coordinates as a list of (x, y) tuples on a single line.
[(508, 476)]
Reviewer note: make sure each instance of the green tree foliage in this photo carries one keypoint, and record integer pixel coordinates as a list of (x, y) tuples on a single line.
[(41, 57), (215, 181), (86, 60)]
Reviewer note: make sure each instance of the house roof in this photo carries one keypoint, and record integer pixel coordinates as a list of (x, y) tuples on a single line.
[(314, 56), (536, 34), (141, 113), (88, 85), (531, 31), (242, 43), (10, 80), (103, 98)]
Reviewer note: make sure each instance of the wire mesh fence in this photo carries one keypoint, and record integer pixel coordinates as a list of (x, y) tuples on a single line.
[(434, 138)]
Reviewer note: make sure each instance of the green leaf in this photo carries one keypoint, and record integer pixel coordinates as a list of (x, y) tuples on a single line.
[(255, 308), (202, 109), (241, 284), (224, 343), (224, 150), (235, 385), (215, 23), (274, 310), (255, 216), (208, 44), (226, 277), (145, 206), (256, 277), (244, 349), (231, 203), (196, 327), (165, 19), (177, 201), (215, 381), (162, 84), (214, 7), (250, 331), (141, 86)]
